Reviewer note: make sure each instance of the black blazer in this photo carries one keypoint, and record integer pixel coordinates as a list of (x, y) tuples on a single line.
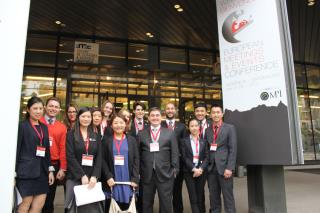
[(28, 165), (108, 159), (75, 149), (166, 161), (179, 130), (133, 131), (209, 124), (225, 156), (187, 154)]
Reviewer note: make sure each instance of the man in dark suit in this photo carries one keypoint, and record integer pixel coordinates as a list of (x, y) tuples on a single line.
[(180, 131), (159, 160), (200, 112), (222, 140), (138, 123)]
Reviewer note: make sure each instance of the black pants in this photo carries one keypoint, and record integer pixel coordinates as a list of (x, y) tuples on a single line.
[(195, 188), (49, 204), (177, 194), (217, 184), (164, 190)]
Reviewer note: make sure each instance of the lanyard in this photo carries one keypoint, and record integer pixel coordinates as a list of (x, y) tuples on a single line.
[(137, 126), (155, 137), (86, 142), (215, 132), (39, 134), (196, 142), (118, 143), (202, 128)]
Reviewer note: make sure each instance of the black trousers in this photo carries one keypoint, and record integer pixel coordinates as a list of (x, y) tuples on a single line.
[(49, 204), (217, 184), (177, 194), (164, 190), (195, 188)]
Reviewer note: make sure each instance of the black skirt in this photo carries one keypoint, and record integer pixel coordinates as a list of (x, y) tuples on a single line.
[(35, 186)]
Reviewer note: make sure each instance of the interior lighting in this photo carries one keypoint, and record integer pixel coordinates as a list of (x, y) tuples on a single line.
[(58, 22), (180, 10), (177, 6)]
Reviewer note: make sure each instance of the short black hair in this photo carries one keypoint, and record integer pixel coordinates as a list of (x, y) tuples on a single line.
[(137, 103), (200, 104), (31, 101), (154, 109), (217, 105), (53, 99)]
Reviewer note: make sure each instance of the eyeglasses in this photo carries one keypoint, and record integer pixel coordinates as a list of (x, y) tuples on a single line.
[(72, 112)]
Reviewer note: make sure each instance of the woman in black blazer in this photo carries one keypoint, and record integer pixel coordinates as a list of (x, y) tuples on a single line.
[(120, 162), (83, 160), (33, 168), (194, 156)]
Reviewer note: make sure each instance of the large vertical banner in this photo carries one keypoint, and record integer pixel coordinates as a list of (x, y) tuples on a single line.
[(258, 83)]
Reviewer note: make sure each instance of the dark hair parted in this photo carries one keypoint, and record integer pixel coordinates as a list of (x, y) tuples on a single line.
[(96, 109), (152, 109), (200, 104), (104, 105), (137, 103), (53, 99), (31, 101), (66, 120), (77, 134)]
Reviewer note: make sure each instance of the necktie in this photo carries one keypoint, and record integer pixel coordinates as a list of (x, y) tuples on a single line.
[(50, 121), (170, 124), (200, 124)]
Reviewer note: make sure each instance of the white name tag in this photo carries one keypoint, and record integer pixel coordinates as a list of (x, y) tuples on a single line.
[(119, 160), (213, 147), (41, 151), (87, 160), (154, 147), (196, 159)]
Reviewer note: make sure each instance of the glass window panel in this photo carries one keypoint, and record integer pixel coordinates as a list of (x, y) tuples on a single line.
[(300, 76), (112, 53), (313, 74), (315, 113), (172, 59), (138, 56), (201, 61)]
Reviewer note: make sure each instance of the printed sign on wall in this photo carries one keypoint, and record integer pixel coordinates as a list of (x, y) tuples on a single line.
[(85, 52)]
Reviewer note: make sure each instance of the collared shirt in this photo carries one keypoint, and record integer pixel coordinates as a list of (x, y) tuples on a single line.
[(138, 125), (193, 146), (172, 122), (204, 125), (50, 120), (155, 130)]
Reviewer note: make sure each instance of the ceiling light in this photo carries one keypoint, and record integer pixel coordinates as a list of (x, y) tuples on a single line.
[(151, 36), (141, 50), (203, 59), (63, 25), (180, 10), (58, 22), (41, 78), (137, 51), (61, 45), (148, 34), (177, 6), (311, 2)]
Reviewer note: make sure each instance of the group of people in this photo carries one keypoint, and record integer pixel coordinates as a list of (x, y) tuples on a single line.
[(153, 155)]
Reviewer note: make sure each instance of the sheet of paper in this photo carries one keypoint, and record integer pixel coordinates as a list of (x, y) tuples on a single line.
[(84, 196)]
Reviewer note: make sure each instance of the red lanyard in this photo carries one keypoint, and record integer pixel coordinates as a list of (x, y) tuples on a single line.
[(86, 142), (196, 142), (215, 132), (137, 126), (39, 134), (118, 143), (154, 137), (202, 128)]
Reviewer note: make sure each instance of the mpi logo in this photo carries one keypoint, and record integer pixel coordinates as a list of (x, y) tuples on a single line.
[(271, 95), (83, 46), (235, 23)]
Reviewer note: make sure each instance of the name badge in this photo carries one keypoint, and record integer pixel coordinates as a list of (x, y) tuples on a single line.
[(213, 147), (41, 151), (119, 160), (154, 147), (87, 160), (50, 141), (196, 159)]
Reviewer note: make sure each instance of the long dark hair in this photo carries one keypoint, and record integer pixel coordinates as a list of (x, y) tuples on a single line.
[(77, 134), (66, 120), (31, 101)]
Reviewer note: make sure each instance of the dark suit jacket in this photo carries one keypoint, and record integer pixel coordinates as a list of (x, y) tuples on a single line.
[(166, 160), (133, 131), (28, 165), (108, 159), (225, 156), (187, 155), (209, 123), (179, 130), (75, 150)]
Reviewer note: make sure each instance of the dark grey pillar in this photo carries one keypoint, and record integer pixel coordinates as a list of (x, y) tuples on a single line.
[(266, 189)]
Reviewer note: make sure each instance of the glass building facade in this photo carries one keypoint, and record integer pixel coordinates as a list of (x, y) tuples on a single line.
[(154, 74)]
